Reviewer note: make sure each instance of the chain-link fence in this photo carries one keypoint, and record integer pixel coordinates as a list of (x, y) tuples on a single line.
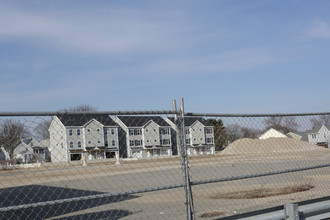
[(158, 165)]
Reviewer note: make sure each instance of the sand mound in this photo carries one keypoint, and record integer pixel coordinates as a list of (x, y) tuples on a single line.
[(270, 145)]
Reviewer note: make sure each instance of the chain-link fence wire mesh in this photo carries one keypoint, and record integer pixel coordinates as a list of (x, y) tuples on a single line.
[(128, 166), (261, 161), (90, 166)]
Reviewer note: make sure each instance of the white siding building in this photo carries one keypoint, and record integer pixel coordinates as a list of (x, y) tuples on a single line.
[(199, 135), (29, 150), (320, 136), (272, 133), (145, 136), (74, 136)]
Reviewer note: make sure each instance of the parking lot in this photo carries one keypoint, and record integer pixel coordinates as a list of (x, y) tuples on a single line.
[(28, 186)]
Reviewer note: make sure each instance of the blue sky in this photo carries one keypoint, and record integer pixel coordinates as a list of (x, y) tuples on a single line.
[(221, 56)]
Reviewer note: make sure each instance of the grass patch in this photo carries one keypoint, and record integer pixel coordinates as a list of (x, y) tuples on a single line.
[(211, 214), (263, 192)]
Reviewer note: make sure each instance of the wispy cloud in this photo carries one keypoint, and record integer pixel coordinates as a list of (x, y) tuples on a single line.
[(110, 32), (318, 30), (227, 61)]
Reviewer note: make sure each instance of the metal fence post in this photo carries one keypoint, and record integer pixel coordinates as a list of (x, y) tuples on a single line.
[(184, 161), (291, 211)]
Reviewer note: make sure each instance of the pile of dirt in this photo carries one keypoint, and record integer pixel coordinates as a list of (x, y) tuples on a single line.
[(270, 145)]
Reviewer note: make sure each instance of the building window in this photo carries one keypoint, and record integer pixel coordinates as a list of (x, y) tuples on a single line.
[(137, 131), (71, 144), (105, 131), (70, 132), (131, 143), (209, 140), (98, 130), (313, 136), (79, 144), (164, 131), (112, 131), (147, 130), (165, 142), (131, 131), (89, 142), (208, 130), (188, 141), (138, 142), (155, 140), (106, 143), (187, 131), (113, 143), (88, 130), (78, 131), (99, 141)]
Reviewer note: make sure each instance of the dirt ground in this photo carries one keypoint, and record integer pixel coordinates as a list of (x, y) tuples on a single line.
[(170, 204)]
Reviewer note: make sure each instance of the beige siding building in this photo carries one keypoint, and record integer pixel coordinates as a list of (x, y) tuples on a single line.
[(145, 136), (75, 136)]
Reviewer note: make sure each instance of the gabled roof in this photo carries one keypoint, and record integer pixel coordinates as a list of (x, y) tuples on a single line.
[(25, 141), (140, 121), (189, 121), (81, 119), (303, 134)]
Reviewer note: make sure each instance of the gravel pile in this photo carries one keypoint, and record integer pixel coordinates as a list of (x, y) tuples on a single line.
[(270, 145)]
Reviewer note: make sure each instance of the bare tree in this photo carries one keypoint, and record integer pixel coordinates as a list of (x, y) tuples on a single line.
[(82, 108), (320, 120), (282, 124), (249, 132), (235, 131), (41, 130), (11, 132)]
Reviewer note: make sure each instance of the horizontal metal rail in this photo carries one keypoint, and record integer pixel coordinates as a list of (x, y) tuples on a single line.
[(32, 205), (26, 114), (313, 211), (253, 115), (223, 115)]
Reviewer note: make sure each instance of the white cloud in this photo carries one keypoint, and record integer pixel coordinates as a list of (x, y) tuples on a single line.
[(319, 30)]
